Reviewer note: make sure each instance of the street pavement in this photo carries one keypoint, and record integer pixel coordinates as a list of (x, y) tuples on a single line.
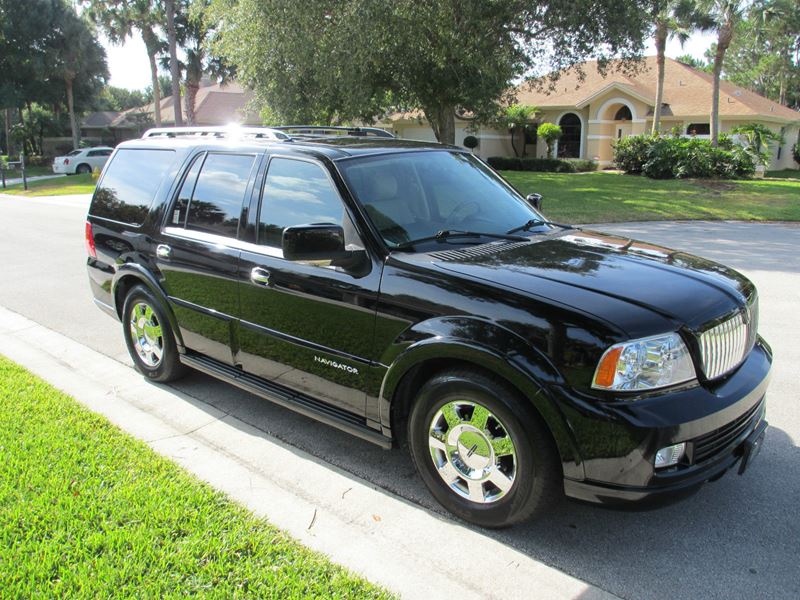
[(736, 538)]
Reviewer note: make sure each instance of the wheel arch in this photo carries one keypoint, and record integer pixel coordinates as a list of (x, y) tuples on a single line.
[(83, 164), (131, 274), (509, 358)]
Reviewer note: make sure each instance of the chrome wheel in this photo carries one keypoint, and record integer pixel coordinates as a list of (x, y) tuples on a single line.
[(146, 334), (472, 451)]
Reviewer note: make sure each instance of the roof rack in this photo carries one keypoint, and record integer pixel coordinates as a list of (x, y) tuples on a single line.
[(336, 130), (233, 131)]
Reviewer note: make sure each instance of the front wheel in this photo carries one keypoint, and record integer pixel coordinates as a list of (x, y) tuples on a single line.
[(481, 451), (149, 337)]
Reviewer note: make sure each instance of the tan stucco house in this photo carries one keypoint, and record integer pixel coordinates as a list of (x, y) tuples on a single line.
[(600, 109)]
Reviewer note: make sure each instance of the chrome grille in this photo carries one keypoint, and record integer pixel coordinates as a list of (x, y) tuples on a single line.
[(725, 346)]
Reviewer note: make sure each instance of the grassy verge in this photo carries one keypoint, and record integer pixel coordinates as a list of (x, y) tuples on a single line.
[(30, 172), (609, 197), (87, 511), (785, 174), (63, 186)]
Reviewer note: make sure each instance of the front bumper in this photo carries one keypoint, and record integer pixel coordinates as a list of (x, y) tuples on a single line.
[(618, 440)]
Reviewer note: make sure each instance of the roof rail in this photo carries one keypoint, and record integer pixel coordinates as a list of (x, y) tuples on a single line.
[(335, 129), (233, 131)]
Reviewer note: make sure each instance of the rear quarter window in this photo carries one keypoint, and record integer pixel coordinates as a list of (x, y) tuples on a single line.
[(130, 183)]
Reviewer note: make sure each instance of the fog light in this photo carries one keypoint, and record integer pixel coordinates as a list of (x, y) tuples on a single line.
[(669, 456)]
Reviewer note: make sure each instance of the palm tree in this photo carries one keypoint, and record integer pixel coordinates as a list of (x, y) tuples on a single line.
[(174, 66), (118, 19), (724, 15), (671, 18)]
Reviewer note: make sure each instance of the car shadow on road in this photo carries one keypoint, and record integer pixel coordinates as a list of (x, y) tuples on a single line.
[(699, 547)]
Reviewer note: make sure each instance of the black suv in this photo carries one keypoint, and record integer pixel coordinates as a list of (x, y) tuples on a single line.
[(404, 292)]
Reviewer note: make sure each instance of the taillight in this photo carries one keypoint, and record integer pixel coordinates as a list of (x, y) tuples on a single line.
[(90, 241), (66, 161)]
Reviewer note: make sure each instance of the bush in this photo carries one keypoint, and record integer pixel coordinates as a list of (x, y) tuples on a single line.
[(661, 157), (549, 132), (543, 165), (471, 142), (796, 153)]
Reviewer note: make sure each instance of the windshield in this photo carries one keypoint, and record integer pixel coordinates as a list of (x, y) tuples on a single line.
[(416, 195)]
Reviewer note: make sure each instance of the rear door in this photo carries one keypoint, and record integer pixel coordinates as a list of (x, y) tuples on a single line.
[(197, 250), (307, 325)]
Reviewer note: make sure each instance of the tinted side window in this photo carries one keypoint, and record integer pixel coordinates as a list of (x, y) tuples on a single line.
[(181, 208), (296, 193), (217, 199), (130, 183)]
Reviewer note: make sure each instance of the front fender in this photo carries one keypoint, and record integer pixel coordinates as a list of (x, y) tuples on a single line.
[(122, 281), (491, 347)]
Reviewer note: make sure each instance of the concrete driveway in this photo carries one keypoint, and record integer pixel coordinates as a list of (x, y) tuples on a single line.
[(736, 538)]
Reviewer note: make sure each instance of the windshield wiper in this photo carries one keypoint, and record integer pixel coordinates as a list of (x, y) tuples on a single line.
[(446, 234), (530, 224)]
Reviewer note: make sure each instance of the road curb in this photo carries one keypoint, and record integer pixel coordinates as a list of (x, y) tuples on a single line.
[(386, 539)]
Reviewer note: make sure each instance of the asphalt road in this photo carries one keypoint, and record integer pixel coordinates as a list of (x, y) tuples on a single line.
[(736, 538)]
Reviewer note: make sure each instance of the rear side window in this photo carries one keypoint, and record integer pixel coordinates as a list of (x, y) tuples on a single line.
[(217, 199), (130, 183)]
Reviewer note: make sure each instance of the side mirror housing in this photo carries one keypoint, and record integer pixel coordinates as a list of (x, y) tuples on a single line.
[(319, 241), (535, 200)]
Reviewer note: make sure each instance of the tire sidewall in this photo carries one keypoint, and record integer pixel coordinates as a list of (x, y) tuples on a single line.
[(438, 392), (166, 368)]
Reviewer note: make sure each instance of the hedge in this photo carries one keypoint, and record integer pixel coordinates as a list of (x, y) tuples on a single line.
[(663, 157), (550, 165)]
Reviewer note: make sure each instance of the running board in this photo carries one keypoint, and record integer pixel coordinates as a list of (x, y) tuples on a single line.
[(296, 401)]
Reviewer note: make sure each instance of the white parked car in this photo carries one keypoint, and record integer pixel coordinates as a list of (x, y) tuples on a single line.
[(83, 160)]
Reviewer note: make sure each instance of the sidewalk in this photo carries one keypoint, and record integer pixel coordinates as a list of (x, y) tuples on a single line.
[(17, 180), (389, 541)]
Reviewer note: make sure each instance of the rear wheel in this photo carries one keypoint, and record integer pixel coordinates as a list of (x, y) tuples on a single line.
[(149, 337), (83, 169), (482, 452)]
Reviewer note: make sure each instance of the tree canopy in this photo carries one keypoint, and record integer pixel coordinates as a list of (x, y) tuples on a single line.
[(326, 61)]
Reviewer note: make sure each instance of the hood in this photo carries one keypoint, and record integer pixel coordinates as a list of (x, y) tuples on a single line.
[(678, 286)]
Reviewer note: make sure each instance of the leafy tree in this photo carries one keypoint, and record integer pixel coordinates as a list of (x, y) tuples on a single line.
[(119, 99), (333, 61), (549, 132), (723, 16), (518, 119), (796, 153), (119, 19), (77, 60), (164, 88), (764, 55), (671, 18), (758, 138)]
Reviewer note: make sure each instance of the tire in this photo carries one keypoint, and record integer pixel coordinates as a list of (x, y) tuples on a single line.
[(492, 484), (149, 337), (83, 169)]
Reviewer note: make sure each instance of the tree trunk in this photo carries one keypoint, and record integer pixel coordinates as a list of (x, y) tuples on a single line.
[(191, 96), (174, 67), (76, 133), (151, 43), (661, 46), (442, 120), (9, 141), (513, 131), (723, 41)]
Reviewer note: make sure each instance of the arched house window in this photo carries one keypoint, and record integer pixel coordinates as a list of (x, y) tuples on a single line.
[(623, 114), (569, 144)]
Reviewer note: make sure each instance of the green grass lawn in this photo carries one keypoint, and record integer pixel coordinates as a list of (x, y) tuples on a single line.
[(609, 197), (30, 172), (63, 186), (785, 174), (87, 511)]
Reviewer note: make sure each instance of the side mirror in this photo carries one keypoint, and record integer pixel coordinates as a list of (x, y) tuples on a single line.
[(535, 200), (320, 241)]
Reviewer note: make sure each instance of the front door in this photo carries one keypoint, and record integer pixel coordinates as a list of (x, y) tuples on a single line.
[(306, 325), (197, 250)]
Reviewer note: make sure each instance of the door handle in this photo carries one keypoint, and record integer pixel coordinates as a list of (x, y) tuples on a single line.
[(259, 276), (163, 251)]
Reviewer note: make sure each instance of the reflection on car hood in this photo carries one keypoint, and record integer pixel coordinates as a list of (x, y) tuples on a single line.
[(677, 285)]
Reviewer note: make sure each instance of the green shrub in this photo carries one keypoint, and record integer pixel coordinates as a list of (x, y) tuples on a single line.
[(660, 157), (630, 153), (543, 165), (796, 153), (549, 132)]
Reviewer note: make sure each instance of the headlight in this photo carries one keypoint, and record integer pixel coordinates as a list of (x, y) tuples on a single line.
[(644, 364)]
